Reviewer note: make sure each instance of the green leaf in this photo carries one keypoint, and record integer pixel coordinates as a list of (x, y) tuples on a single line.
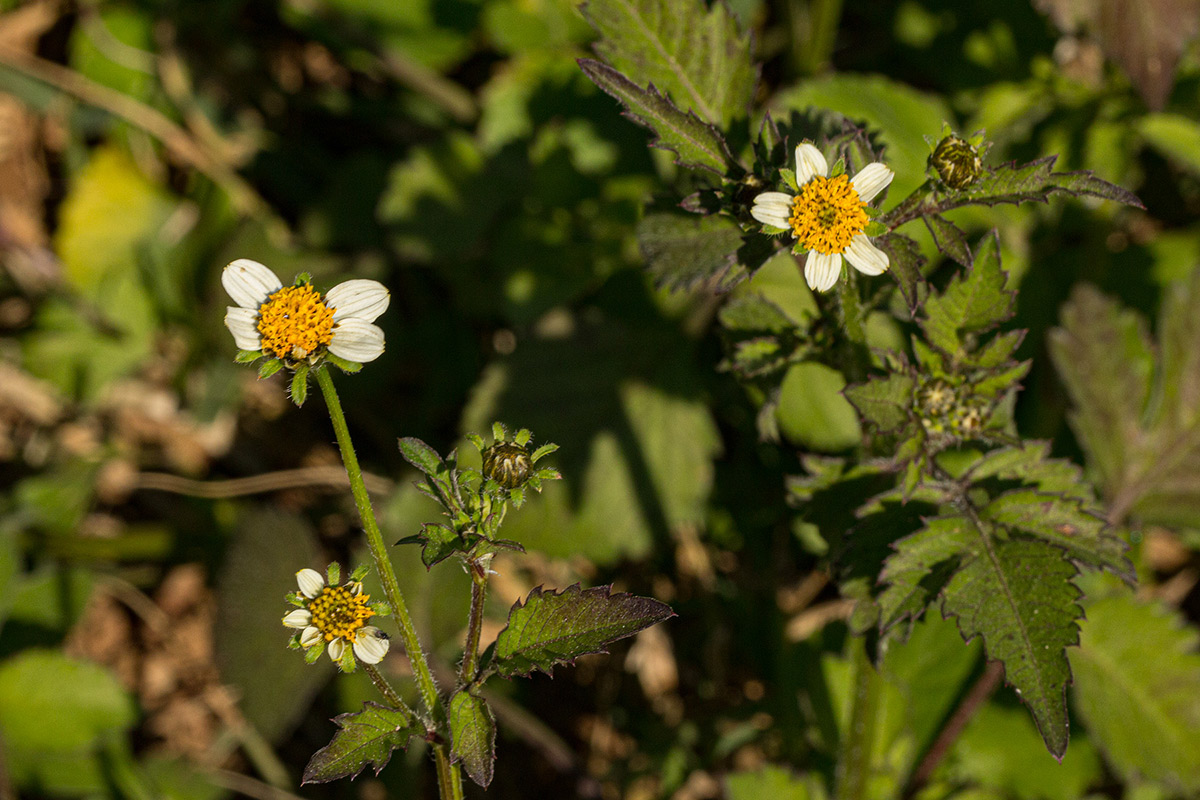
[(812, 410), (1137, 687), (421, 456), (37, 686), (683, 250), (697, 143), (473, 736), (438, 542), (1018, 596), (557, 627), (775, 783), (911, 573), (1062, 522), (693, 53), (247, 356), (904, 264), (886, 403), (1174, 135), (1036, 182), (269, 368), (949, 238), (974, 300), (365, 737)]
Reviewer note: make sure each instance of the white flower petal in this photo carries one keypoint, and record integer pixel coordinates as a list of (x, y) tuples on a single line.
[(300, 618), (336, 648), (249, 283), (770, 215), (866, 257), (243, 324), (371, 645), (311, 582), (360, 299), (822, 271), (871, 180), (358, 341), (310, 636), (809, 163), (775, 200)]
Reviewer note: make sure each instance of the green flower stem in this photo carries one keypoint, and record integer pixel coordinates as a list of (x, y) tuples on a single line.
[(385, 688), (391, 587), (854, 761), (450, 786), (470, 662)]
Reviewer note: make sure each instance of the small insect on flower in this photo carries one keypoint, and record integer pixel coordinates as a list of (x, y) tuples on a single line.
[(330, 617), (828, 216), (296, 324)]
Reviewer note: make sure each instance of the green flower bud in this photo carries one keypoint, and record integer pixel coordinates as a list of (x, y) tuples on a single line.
[(956, 162), (508, 464)]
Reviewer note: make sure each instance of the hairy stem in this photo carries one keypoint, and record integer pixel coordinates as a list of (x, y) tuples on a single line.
[(470, 662), (385, 688), (391, 587)]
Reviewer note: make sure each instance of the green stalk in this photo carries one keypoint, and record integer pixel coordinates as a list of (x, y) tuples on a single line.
[(470, 662), (385, 689), (391, 587), (854, 762)]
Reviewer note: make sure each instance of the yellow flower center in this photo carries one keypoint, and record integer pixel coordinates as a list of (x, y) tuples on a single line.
[(828, 214), (338, 613), (294, 322)]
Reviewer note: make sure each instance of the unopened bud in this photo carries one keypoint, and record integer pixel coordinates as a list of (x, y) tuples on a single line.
[(956, 162), (508, 464)]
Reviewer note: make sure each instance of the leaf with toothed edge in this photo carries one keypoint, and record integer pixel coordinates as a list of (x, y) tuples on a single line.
[(557, 627), (693, 51), (1036, 182), (949, 238), (365, 737), (683, 250), (697, 143), (473, 736)]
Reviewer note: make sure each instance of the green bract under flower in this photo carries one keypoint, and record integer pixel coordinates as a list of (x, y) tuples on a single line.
[(296, 324)]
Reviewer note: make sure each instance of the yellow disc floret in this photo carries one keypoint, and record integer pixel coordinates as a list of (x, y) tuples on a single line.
[(338, 613), (294, 322), (828, 214)]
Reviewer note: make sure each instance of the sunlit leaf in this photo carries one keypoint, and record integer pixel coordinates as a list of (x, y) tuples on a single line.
[(473, 736)]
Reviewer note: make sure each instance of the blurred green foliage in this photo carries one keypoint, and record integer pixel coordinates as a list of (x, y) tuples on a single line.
[(454, 150)]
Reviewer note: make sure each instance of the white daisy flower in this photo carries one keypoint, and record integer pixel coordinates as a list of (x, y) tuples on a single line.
[(828, 217), (295, 323), (330, 617)]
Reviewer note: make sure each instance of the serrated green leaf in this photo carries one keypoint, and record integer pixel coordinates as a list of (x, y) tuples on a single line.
[(684, 250), (949, 238), (421, 456), (1036, 182), (1137, 687), (697, 143), (904, 264), (365, 737), (912, 573), (1018, 596), (1104, 357), (1062, 522), (557, 627), (975, 300), (1029, 462), (886, 403), (473, 736), (693, 53), (998, 350), (439, 542), (998, 381)]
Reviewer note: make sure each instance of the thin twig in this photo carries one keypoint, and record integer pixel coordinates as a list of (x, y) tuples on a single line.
[(331, 476), (977, 696)]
